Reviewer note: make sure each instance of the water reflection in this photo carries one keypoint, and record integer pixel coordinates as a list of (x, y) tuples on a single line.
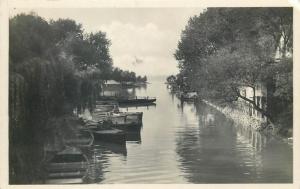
[(96, 165), (206, 148), (186, 142), (218, 151), (100, 159)]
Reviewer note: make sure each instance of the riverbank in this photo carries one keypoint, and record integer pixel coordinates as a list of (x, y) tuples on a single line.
[(244, 120)]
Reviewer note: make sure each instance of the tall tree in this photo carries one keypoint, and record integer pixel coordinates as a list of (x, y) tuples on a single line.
[(222, 49)]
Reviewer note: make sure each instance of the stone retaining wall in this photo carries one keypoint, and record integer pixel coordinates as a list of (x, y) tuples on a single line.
[(239, 117)]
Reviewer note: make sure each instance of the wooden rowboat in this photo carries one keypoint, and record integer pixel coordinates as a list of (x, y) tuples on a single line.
[(67, 166), (111, 136)]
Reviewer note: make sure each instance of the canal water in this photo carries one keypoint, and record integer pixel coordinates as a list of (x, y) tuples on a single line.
[(191, 143)]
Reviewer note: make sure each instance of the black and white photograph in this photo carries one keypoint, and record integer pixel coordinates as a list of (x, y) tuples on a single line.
[(151, 95)]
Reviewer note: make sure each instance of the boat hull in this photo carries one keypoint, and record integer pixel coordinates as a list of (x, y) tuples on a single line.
[(67, 166), (111, 136), (126, 121), (122, 100), (135, 101), (128, 127)]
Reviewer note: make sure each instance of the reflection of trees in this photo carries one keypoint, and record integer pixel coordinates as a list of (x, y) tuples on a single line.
[(207, 154), (96, 166), (277, 160), (185, 105), (98, 157), (273, 159), (251, 136), (227, 153), (256, 139)]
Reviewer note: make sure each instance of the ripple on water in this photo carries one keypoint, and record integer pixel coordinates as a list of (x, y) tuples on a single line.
[(177, 146)]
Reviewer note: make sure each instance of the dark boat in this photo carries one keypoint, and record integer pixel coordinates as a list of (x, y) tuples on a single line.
[(128, 121), (128, 127), (126, 100), (106, 102), (137, 100), (133, 136), (110, 135), (120, 120), (137, 105), (127, 117)]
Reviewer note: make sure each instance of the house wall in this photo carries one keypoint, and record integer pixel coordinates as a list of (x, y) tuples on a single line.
[(279, 53), (260, 100)]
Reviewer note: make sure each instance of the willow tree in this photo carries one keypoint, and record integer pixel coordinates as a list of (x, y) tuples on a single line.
[(46, 83)]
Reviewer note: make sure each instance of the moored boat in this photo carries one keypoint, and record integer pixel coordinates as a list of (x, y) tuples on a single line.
[(126, 122), (110, 136), (67, 166), (134, 117), (128, 100), (133, 136), (120, 120), (137, 100), (106, 102), (83, 139), (107, 108), (138, 105)]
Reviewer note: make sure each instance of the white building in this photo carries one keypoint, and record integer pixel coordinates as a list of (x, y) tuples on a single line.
[(260, 88), (260, 100)]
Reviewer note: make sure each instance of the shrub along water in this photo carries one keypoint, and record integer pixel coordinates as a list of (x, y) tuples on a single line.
[(224, 49)]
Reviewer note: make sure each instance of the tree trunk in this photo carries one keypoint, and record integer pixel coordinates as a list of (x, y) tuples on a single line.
[(262, 111)]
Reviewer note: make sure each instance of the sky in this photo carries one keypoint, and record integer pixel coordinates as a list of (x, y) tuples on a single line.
[(143, 40)]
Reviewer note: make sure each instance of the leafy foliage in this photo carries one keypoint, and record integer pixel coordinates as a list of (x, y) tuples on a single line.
[(222, 49), (54, 68)]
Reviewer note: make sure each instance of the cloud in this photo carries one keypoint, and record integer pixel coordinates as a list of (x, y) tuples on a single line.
[(155, 47), (150, 34)]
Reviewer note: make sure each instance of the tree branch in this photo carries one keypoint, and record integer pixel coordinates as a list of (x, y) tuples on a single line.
[(251, 102), (262, 111)]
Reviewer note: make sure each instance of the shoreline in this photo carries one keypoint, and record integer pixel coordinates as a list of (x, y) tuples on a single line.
[(244, 120)]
